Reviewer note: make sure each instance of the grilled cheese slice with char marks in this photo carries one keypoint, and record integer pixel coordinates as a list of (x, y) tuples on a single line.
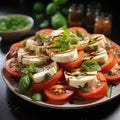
[(51, 69), (27, 58), (76, 80)]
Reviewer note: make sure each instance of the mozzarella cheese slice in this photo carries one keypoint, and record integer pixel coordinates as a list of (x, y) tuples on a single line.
[(81, 44), (99, 44), (76, 81), (57, 32), (100, 41), (64, 57), (20, 53), (34, 59), (101, 56), (51, 69), (30, 45)]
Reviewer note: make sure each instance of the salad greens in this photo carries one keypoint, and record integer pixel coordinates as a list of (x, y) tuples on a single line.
[(13, 22)]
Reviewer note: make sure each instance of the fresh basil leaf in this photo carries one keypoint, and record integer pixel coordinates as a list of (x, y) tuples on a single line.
[(91, 65), (109, 92), (25, 82), (37, 97)]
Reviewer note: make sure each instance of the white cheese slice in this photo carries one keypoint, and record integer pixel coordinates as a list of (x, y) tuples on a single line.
[(65, 57), (51, 69), (81, 81), (33, 59), (101, 56), (56, 32), (30, 45), (20, 53)]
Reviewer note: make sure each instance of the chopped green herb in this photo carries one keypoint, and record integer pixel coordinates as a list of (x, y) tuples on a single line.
[(36, 97), (110, 72), (39, 38), (47, 76), (109, 92), (91, 41), (96, 48), (85, 87), (12, 23), (81, 35)]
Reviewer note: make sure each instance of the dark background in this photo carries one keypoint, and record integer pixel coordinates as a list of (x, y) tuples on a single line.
[(14, 108), (107, 6)]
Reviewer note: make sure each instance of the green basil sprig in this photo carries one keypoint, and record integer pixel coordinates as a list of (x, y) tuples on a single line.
[(25, 82), (91, 65)]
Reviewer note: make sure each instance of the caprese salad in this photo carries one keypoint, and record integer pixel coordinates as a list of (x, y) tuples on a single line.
[(65, 64)]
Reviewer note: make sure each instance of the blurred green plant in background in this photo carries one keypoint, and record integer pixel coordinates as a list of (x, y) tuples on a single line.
[(53, 14)]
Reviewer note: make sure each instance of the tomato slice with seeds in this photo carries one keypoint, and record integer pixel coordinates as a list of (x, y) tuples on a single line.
[(113, 74), (108, 64), (96, 92), (113, 44), (14, 47), (58, 92), (12, 69)]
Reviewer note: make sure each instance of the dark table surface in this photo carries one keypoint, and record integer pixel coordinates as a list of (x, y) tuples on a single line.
[(14, 108)]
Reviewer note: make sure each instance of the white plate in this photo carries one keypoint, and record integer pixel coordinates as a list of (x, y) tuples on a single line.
[(12, 85)]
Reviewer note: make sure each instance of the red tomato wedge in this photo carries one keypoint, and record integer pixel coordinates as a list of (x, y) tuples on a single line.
[(115, 74), (75, 63), (58, 92), (81, 29), (14, 47), (47, 84), (44, 31), (113, 77), (114, 45), (108, 64), (118, 60), (96, 92), (12, 69)]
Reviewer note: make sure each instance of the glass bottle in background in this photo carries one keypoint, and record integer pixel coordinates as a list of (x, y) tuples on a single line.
[(92, 10), (103, 24), (76, 14)]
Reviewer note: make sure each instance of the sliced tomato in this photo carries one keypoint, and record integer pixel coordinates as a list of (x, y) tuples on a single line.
[(12, 69), (114, 75), (14, 47), (44, 31), (47, 84), (117, 56), (75, 63), (118, 60), (108, 64), (113, 44), (81, 29), (32, 37), (58, 92), (96, 92)]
